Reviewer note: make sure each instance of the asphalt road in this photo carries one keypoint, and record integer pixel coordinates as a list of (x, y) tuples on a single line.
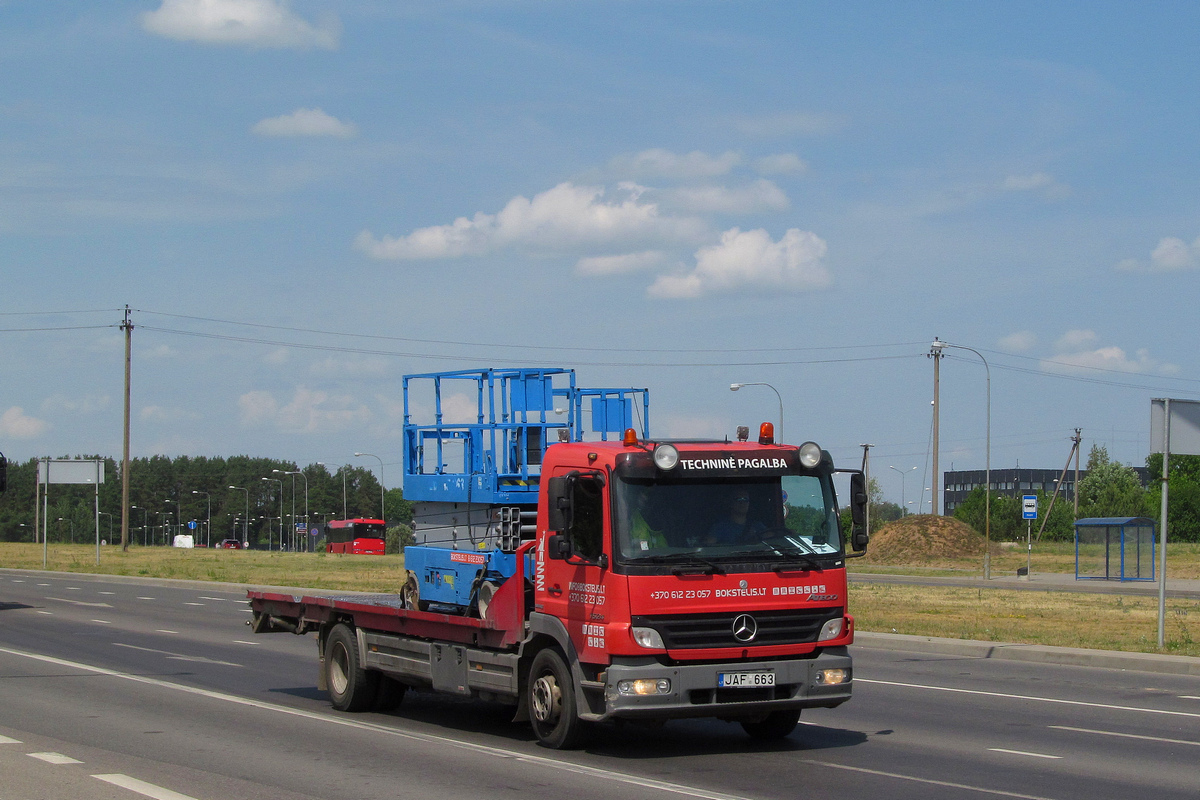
[(113, 688)]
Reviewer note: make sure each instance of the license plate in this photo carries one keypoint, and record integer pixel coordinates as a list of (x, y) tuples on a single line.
[(727, 680)]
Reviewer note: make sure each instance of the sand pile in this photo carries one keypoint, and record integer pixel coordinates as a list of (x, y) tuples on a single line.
[(923, 537)]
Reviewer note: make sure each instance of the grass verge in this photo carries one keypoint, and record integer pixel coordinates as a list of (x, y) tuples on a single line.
[(1064, 619)]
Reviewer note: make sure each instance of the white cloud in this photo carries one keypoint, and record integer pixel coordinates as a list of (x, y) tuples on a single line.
[(659, 163), (750, 260), (1077, 353), (564, 216), (1171, 255), (795, 123), (620, 265), (305, 122), (762, 195), (781, 164), (1025, 183), (1019, 342), (1075, 340), (161, 414), (254, 23), (1039, 182), (309, 411), (15, 423), (350, 367), (74, 404)]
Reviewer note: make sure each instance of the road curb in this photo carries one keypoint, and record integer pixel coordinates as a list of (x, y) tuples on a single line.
[(1029, 653)]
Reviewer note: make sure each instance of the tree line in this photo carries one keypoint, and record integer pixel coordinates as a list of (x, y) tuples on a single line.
[(166, 494), (1110, 489)]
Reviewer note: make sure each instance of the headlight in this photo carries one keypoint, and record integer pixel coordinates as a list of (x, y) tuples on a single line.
[(830, 677), (832, 629), (810, 454), (648, 638), (645, 686), (666, 456)]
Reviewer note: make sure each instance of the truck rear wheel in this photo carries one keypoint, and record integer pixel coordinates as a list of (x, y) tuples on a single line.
[(552, 708), (351, 688), (776, 725)]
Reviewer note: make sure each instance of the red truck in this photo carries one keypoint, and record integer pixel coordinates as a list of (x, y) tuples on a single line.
[(642, 579)]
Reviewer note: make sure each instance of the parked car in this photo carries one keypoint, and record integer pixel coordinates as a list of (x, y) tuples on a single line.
[(230, 544)]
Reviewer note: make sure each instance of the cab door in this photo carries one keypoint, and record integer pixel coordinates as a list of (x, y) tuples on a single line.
[(576, 587)]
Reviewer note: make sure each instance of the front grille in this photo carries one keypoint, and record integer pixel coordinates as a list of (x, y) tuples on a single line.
[(690, 631)]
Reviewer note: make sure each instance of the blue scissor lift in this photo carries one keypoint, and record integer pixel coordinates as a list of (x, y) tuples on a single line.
[(475, 483)]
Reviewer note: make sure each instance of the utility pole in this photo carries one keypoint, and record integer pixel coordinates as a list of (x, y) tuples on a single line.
[(126, 326), (937, 355), (866, 468), (1077, 441)]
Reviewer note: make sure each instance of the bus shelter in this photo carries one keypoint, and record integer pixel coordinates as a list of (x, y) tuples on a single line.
[(1114, 549)]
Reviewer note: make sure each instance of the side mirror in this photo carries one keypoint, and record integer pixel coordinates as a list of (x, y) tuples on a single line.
[(558, 503), (858, 511), (559, 547)]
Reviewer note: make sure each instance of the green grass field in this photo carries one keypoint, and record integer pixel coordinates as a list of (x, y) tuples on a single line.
[(1066, 619)]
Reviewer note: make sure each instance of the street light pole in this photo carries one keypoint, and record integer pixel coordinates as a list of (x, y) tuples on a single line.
[(246, 519), (937, 347), (733, 387), (276, 480), (382, 507), (208, 523), (903, 475)]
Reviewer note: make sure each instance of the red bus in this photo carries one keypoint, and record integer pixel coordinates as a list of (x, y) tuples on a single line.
[(360, 536)]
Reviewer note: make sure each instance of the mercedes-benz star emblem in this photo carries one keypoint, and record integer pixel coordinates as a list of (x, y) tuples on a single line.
[(744, 628)]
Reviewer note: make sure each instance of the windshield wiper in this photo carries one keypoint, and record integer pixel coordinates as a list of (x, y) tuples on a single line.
[(694, 565), (794, 557)]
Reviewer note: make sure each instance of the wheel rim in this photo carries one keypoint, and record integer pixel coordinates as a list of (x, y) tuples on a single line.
[(338, 669), (547, 699)]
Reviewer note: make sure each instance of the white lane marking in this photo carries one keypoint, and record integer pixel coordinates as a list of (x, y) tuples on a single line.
[(146, 598), (177, 656), (603, 774), (1125, 735), (160, 630), (54, 758), (105, 592), (1188, 697), (1036, 699), (79, 602), (929, 781), (194, 604), (102, 621), (224, 599), (239, 641), (74, 589), (43, 584), (6, 740), (1021, 753), (17, 581), (47, 613), (141, 787)]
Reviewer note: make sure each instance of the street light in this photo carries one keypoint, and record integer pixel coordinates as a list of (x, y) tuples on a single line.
[(733, 387), (110, 516), (64, 519), (382, 509), (903, 475), (294, 473), (208, 524), (145, 514), (246, 520), (936, 349), (276, 480)]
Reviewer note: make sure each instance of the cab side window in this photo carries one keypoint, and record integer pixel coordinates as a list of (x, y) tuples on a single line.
[(587, 528)]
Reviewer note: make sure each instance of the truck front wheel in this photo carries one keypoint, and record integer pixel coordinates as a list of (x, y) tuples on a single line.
[(552, 707), (351, 688), (776, 725)]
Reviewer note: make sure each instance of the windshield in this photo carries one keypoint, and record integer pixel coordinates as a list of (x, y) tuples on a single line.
[(760, 519)]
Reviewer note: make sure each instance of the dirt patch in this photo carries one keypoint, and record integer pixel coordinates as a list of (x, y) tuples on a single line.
[(921, 538)]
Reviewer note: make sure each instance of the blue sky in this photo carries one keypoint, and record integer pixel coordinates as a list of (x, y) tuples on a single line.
[(301, 202)]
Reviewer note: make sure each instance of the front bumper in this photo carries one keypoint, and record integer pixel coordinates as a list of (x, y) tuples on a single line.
[(694, 691)]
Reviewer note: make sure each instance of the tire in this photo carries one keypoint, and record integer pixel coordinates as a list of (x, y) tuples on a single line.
[(551, 700), (390, 695), (411, 594), (483, 599), (777, 725), (351, 688)]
